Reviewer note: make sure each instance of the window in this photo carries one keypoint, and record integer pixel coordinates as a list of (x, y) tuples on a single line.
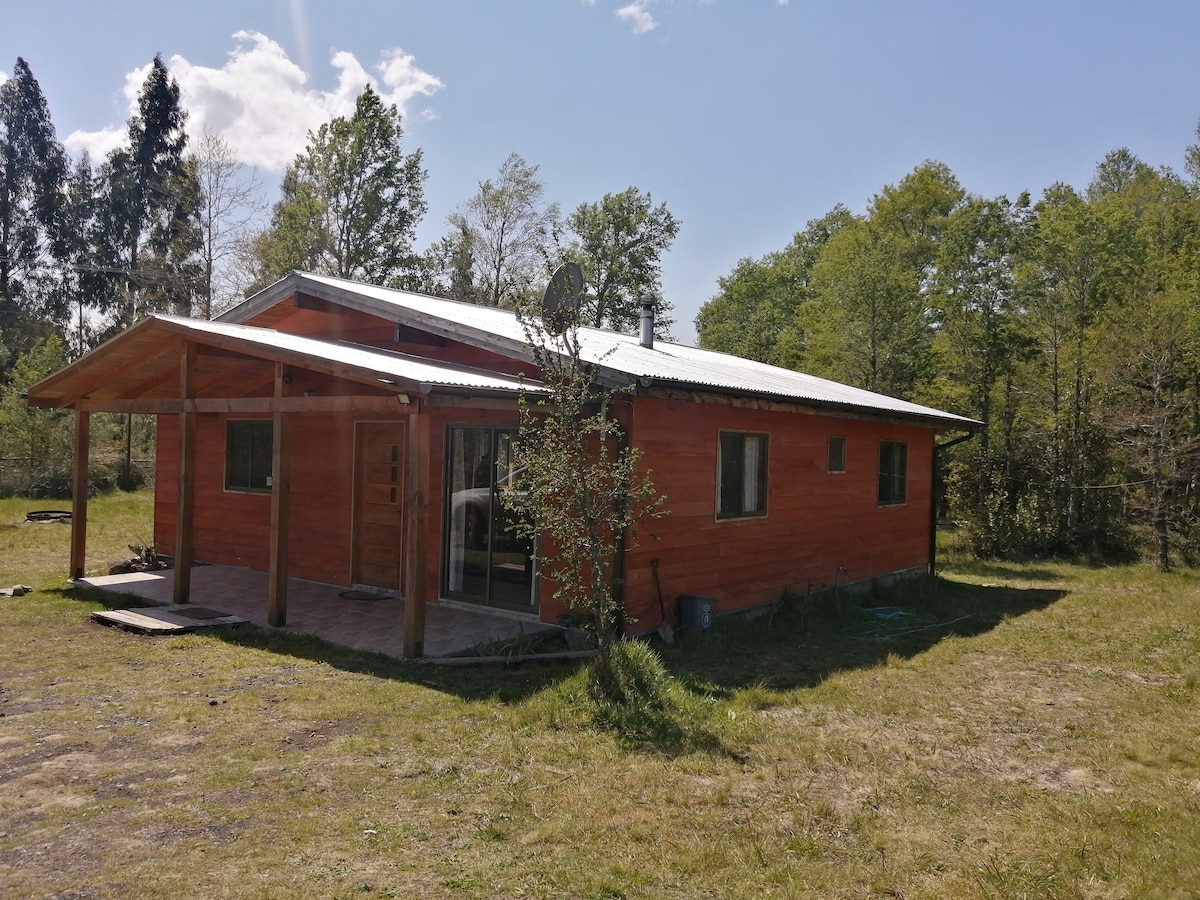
[(837, 454), (742, 475), (893, 472), (248, 455)]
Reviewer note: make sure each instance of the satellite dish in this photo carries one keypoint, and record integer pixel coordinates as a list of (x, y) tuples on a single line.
[(560, 303)]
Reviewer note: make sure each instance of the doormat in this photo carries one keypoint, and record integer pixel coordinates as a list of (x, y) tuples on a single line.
[(363, 595)]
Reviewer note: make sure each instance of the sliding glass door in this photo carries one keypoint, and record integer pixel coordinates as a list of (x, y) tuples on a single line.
[(484, 560)]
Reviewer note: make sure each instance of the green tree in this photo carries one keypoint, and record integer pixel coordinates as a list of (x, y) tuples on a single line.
[(619, 243), (350, 203), (39, 440), (756, 312), (1116, 173), (33, 167), (171, 270), (977, 347), (506, 230), (867, 323), (150, 206), (582, 487), (874, 311), (84, 249), (447, 269), (1147, 358), (1152, 351), (1081, 251)]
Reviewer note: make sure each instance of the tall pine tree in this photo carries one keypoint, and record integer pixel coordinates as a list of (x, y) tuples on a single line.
[(151, 206), (33, 166)]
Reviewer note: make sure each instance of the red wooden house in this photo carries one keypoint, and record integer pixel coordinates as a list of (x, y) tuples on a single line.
[(356, 435)]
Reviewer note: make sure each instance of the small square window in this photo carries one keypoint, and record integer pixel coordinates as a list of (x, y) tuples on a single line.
[(741, 475), (837, 454), (893, 472), (248, 455)]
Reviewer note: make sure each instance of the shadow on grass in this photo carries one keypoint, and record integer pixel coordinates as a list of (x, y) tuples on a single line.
[(507, 684), (807, 639), (1009, 570), (800, 644)]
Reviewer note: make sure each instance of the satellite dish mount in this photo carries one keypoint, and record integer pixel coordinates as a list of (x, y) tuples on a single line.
[(560, 303)]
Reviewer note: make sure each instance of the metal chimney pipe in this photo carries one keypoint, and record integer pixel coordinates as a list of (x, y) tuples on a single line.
[(647, 322)]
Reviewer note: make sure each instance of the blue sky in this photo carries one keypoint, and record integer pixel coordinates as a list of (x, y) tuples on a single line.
[(747, 117)]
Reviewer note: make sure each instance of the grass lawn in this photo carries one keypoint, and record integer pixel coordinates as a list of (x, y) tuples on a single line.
[(1003, 731)]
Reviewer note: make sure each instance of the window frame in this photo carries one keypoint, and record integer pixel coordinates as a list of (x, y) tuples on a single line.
[(266, 429), (892, 487), (762, 483), (829, 465)]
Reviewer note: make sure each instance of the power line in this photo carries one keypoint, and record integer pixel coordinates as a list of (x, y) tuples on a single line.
[(113, 270)]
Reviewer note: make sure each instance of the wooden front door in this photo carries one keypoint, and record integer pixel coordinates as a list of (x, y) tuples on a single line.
[(378, 504)]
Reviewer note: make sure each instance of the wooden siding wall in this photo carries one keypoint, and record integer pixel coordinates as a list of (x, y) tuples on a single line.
[(232, 528), (816, 521)]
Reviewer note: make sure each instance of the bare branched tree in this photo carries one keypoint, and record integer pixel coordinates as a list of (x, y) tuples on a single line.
[(231, 204)]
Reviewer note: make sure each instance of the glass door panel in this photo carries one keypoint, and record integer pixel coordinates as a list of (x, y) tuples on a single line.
[(485, 561)]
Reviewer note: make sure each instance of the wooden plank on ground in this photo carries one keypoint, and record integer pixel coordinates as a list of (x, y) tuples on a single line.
[(177, 619)]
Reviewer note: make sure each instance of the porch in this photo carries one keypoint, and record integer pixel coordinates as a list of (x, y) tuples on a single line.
[(319, 610)]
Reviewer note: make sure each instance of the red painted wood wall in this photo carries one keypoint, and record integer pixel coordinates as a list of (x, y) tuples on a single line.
[(816, 521), (233, 527)]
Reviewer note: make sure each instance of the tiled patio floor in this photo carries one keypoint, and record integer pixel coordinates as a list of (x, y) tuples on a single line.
[(317, 609)]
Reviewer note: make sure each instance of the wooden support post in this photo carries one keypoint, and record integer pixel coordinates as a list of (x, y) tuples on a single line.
[(79, 493), (278, 566), (416, 588), (185, 510)]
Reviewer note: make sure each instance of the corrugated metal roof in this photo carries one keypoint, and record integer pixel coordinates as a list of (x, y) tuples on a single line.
[(666, 363), (382, 363)]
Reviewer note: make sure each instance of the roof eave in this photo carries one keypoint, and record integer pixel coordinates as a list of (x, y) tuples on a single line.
[(949, 422)]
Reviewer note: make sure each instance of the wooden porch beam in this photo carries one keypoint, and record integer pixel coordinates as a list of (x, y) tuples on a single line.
[(277, 572), (185, 510), (79, 493), (389, 403), (416, 587)]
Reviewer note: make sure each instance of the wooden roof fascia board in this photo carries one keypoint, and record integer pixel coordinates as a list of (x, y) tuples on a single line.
[(775, 403), (251, 351)]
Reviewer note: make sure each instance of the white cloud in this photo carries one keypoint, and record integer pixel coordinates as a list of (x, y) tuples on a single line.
[(638, 14), (260, 101)]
